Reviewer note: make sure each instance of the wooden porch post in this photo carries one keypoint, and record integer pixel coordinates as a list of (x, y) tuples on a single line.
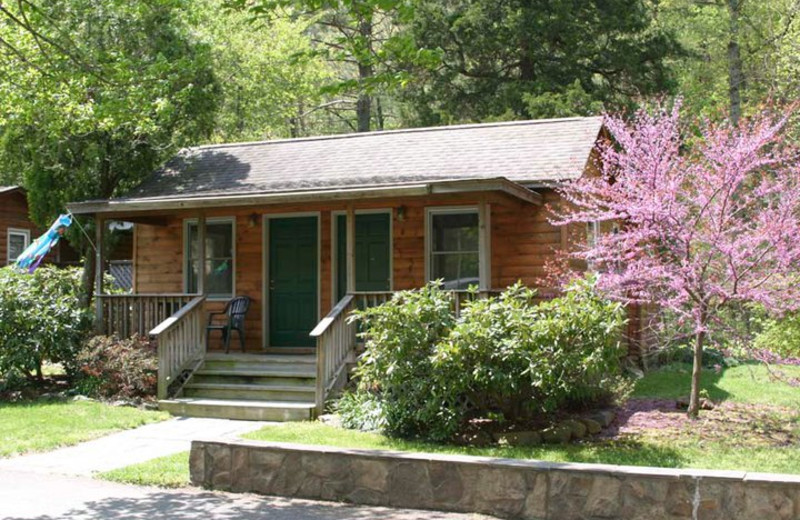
[(201, 254), (99, 223), (484, 245), (351, 249)]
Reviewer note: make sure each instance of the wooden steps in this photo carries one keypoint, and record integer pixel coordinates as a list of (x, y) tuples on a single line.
[(258, 387)]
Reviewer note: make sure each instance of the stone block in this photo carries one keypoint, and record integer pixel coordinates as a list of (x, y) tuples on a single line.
[(769, 501), (370, 474), (592, 426), (409, 485), (447, 485), (559, 434), (568, 494), (577, 428), (535, 506), (603, 500), (197, 465), (218, 461), (240, 469)]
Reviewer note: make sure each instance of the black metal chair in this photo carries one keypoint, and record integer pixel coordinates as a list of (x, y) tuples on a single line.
[(235, 311)]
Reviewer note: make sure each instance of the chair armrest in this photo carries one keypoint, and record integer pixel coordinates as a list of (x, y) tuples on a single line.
[(212, 314)]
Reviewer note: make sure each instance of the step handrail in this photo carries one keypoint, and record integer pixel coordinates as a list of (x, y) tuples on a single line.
[(180, 341), (336, 340)]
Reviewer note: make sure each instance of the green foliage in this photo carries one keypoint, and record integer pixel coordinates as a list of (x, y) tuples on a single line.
[(360, 410), (89, 106), (41, 319), (401, 337), (781, 336), (115, 368), (503, 357), (525, 58)]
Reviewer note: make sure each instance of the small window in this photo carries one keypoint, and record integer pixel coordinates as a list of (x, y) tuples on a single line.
[(592, 233), (454, 248), (18, 241), (219, 258)]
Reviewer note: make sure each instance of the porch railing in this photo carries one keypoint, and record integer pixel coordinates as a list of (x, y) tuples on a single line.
[(336, 338), (181, 343), (127, 314)]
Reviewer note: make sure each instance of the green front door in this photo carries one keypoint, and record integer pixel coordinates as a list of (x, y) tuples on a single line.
[(373, 253), (293, 278)]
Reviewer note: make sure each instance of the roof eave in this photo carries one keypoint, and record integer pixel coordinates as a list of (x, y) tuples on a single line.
[(334, 194)]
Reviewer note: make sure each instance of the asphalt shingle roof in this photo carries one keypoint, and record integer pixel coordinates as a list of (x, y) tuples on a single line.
[(522, 151)]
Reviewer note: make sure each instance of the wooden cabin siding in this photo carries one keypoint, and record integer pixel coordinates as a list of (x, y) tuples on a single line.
[(522, 241), (13, 214)]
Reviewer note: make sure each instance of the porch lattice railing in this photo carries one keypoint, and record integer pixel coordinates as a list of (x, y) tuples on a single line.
[(124, 315), (181, 343)]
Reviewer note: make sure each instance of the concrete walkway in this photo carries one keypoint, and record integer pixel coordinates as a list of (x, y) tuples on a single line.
[(37, 496), (55, 485), (128, 447)]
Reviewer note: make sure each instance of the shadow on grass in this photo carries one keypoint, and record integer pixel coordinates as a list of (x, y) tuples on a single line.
[(182, 505)]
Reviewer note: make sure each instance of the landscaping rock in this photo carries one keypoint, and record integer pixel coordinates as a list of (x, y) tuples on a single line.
[(592, 427), (559, 434), (577, 427), (331, 419), (604, 417), (479, 438), (705, 404), (526, 438), (82, 398), (150, 405)]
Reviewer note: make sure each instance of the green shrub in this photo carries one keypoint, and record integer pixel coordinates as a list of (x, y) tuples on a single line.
[(781, 336), (115, 368), (401, 336), (504, 357), (41, 319), (360, 410)]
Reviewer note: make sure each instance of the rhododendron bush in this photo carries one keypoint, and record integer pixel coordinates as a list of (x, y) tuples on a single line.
[(706, 216)]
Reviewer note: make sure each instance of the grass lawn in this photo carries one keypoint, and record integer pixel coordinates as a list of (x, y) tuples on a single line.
[(44, 425), (171, 471), (709, 444)]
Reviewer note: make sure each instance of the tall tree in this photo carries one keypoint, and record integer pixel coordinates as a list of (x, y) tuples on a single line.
[(536, 58), (709, 216), (94, 95), (736, 51), (269, 77), (364, 41)]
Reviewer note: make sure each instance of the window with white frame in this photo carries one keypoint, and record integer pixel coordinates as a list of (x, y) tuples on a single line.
[(219, 257), (18, 241), (454, 247)]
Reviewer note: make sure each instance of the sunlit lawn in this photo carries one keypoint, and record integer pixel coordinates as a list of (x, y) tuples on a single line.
[(45, 425), (749, 384)]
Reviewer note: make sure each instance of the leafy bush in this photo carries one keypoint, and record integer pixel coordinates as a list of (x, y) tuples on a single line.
[(504, 357), (781, 336), (41, 319), (401, 337), (118, 368), (360, 410)]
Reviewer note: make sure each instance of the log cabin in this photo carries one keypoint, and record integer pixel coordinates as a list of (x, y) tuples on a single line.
[(310, 229), (16, 228)]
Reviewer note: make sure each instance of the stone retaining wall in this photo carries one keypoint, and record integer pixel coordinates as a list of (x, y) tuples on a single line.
[(500, 487)]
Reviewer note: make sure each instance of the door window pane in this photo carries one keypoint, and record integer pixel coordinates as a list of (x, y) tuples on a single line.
[(454, 249), (218, 261)]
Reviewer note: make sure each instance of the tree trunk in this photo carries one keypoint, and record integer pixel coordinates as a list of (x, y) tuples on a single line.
[(697, 365), (365, 71), (87, 278), (735, 72)]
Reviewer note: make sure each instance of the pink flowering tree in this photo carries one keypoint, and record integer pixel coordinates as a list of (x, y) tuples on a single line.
[(707, 215)]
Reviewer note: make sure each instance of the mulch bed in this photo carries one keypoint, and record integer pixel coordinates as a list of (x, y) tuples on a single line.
[(733, 423)]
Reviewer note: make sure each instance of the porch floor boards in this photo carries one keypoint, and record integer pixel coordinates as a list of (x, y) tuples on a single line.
[(259, 387)]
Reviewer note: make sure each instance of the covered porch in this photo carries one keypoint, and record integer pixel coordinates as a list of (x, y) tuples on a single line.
[(305, 267)]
